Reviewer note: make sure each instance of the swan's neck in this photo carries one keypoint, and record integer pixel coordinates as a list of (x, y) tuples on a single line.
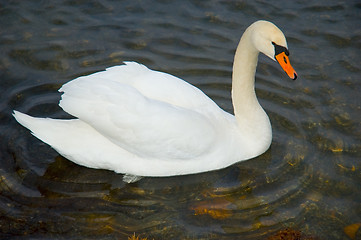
[(244, 69), (251, 118)]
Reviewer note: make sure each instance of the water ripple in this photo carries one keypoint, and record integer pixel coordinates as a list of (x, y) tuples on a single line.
[(308, 179)]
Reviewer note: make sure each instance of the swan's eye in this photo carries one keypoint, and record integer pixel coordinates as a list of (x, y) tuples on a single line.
[(279, 49)]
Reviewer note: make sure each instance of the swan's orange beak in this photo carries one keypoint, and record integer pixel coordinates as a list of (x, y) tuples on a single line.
[(283, 60)]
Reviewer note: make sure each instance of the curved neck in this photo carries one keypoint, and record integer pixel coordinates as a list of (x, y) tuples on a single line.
[(243, 79), (252, 121)]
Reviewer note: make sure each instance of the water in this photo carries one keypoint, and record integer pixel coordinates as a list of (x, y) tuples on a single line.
[(308, 180)]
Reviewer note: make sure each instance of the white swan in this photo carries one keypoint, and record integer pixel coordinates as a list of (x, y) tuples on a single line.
[(141, 122)]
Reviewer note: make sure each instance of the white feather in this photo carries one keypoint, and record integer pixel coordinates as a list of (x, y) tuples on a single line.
[(141, 122)]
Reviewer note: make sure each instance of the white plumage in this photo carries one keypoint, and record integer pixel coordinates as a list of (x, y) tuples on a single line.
[(141, 122)]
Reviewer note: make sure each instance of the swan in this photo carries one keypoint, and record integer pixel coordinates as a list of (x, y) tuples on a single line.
[(146, 123)]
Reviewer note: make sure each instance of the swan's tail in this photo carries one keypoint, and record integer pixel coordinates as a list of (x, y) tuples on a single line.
[(67, 137), (50, 131), (31, 123), (73, 139)]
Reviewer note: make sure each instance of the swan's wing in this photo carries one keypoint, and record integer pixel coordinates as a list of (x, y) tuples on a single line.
[(145, 126), (155, 85)]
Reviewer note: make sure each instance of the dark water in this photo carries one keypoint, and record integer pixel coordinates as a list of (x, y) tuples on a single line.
[(309, 180)]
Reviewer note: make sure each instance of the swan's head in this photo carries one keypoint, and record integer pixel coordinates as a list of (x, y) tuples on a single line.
[(269, 39)]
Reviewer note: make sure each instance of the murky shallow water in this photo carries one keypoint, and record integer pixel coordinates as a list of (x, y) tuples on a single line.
[(308, 180)]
